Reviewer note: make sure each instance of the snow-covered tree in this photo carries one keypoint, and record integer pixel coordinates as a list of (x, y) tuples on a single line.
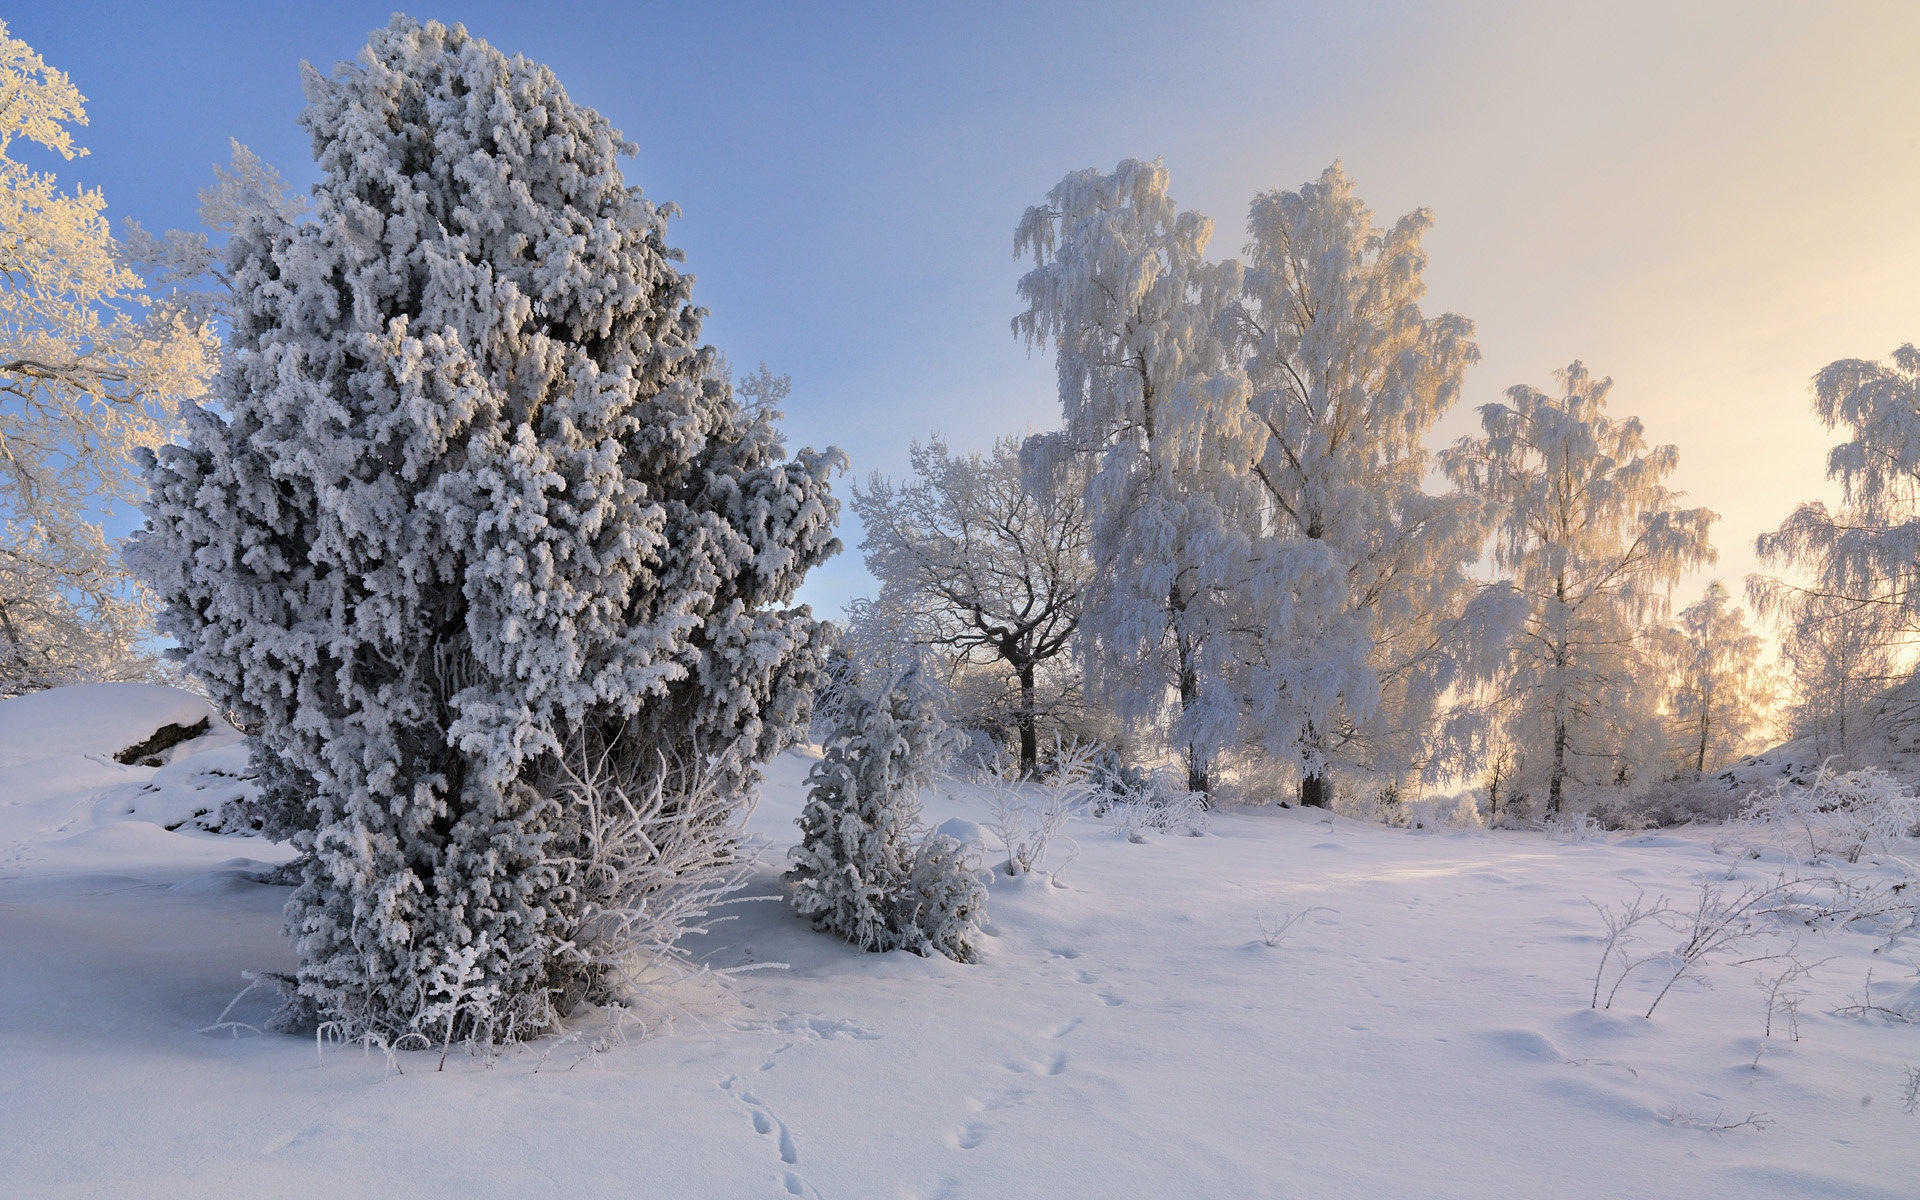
[(1358, 583), (865, 869), (1122, 291), (91, 370), (189, 265), (980, 567), (1722, 695), (1592, 538), (1839, 657), (1264, 546), (474, 499), (1866, 552)]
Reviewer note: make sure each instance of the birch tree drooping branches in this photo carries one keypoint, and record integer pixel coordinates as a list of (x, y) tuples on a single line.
[(1592, 538), (1868, 551), (475, 501), (1121, 290), (90, 371), (1721, 696), (1345, 379), (1264, 548)]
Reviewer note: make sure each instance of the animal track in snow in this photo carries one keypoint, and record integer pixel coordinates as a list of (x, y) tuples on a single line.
[(770, 1126)]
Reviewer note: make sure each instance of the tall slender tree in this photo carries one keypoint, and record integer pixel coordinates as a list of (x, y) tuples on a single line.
[(1722, 695), (1121, 289), (1592, 538), (1346, 378)]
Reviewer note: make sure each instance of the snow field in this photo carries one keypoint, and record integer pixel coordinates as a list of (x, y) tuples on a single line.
[(1424, 1031)]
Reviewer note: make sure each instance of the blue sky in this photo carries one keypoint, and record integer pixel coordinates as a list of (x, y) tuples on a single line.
[(1707, 204)]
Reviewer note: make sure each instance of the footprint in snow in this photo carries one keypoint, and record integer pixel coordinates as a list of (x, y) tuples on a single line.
[(768, 1125)]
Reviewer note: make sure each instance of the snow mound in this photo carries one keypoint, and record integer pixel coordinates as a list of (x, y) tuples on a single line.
[(100, 719), (64, 766)]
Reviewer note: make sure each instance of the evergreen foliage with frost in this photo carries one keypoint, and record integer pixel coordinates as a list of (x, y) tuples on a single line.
[(864, 868), (475, 498), (1592, 539)]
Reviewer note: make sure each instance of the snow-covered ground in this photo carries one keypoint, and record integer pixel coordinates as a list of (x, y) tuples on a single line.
[(1423, 1032)]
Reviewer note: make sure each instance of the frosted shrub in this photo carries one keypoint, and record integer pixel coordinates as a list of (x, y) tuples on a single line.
[(1138, 802), (1459, 811), (1671, 802), (648, 867), (1572, 828), (943, 902), (471, 485), (1028, 817), (864, 868), (1834, 815)]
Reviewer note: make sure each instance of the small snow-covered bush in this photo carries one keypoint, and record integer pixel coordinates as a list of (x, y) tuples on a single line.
[(1669, 802), (944, 901), (1572, 828), (1026, 817), (1458, 811), (1834, 815), (864, 869), (1139, 802)]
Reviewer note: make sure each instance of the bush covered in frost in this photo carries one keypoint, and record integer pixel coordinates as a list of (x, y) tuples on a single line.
[(473, 493), (865, 869), (1834, 814)]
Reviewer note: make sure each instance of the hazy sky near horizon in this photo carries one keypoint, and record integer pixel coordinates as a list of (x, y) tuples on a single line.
[(1707, 202)]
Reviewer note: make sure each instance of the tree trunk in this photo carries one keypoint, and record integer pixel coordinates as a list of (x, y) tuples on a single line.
[(1559, 773), (1197, 764), (1316, 791), (1029, 735)]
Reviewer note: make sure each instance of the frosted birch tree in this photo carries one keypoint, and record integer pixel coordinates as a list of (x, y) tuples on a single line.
[(1839, 657), (1722, 695), (476, 504), (1867, 550), (1592, 538), (1849, 589), (1358, 584), (91, 370), (1121, 290), (984, 569)]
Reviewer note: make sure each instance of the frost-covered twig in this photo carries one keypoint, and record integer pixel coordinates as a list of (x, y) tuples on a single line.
[(1717, 1123), (1620, 924), (1276, 934), (1866, 1007)]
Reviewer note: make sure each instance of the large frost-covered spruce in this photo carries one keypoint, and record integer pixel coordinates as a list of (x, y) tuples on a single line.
[(474, 499), (864, 869)]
